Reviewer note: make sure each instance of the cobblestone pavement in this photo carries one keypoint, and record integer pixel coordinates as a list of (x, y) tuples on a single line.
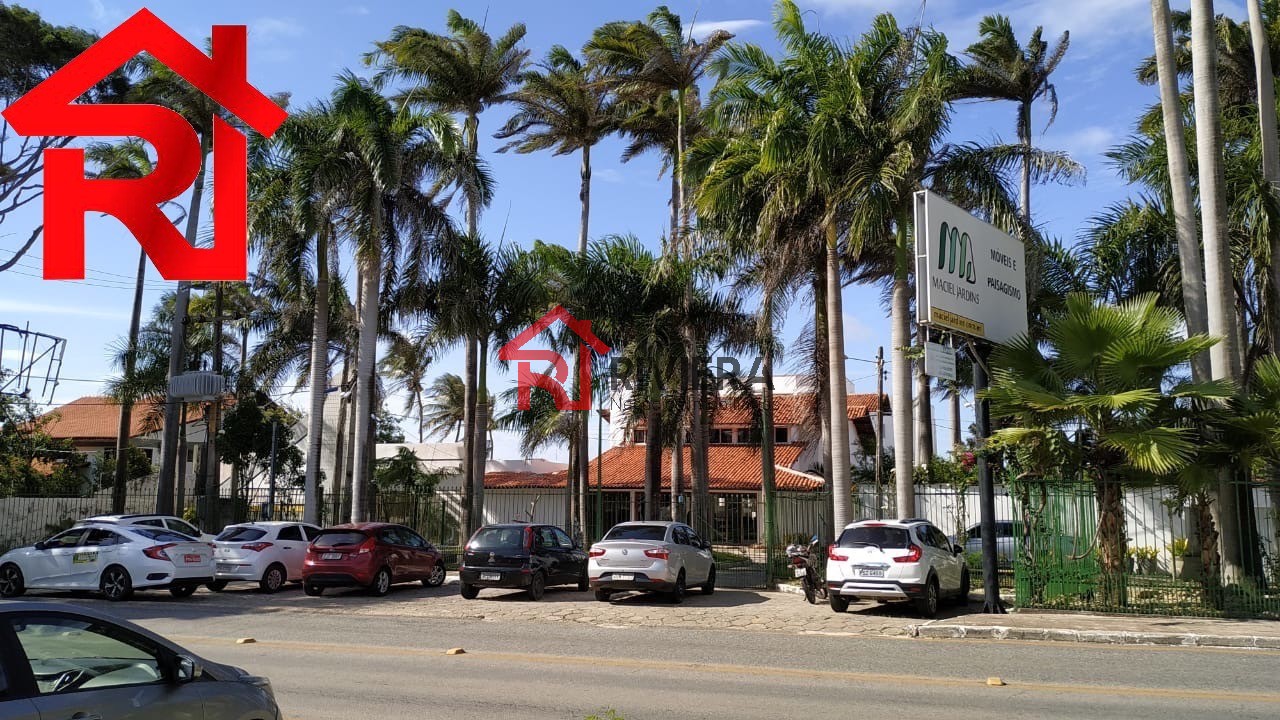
[(738, 610)]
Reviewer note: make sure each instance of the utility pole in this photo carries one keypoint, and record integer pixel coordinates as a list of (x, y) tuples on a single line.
[(880, 433), (213, 481), (271, 475)]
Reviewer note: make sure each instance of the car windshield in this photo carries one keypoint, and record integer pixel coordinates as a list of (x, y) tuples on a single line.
[(498, 538), (653, 533), (877, 535), (241, 534), (159, 535), (338, 538)]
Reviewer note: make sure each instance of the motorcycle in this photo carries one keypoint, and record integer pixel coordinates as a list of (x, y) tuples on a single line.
[(804, 563)]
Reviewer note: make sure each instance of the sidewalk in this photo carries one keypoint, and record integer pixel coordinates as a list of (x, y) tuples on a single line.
[(1106, 629)]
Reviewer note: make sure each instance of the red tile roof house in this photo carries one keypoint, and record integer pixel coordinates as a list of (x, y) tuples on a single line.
[(734, 465)]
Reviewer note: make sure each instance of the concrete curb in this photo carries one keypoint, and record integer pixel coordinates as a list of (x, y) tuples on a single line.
[(1101, 637)]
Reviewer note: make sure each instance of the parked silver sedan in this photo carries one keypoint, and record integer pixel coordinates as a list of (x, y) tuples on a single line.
[(62, 661), (666, 557)]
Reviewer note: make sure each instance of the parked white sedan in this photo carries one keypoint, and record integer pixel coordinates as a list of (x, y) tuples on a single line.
[(268, 553), (114, 560), (666, 557)]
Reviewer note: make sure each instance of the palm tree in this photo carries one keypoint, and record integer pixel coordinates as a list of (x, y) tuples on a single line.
[(1225, 359), (1001, 69), (388, 153), (1268, 138), (1107, 375), (1195, 304), (463, 72), (564, 106), (444, 409), (405, 365)]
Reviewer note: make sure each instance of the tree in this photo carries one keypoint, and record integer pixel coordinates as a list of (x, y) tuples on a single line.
[(405, 366), (1100, 394), (403, 472), (251, 431), (444, 409), (32, 462), (464, 72)]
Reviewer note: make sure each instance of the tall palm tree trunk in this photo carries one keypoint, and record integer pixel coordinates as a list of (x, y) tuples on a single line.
[(837, 392), (822, 395), (123, 431), (469, 438), (480, 445), (1224, 357), (178, 345), (900, 337), (1195, 304), (1024, 133), (957, 436), (923, 409), (1270, 154), (319, 382), (653, 448), (213, 474), (362, 460), (768, 483), (677, 457), (584, 419), (340, 445)]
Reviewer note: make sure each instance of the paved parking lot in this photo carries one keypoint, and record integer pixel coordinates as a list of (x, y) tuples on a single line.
[(742, 610)]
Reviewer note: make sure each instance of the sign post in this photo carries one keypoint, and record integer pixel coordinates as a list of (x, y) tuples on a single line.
[(971, 279)]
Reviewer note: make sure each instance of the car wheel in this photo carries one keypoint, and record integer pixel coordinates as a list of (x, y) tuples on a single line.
[(11, 582), (603, 595), (116, 585), (217, 585), (584, 583), (927, 605), (312, 589), (537, 586), (839, 603), (182, 591), (436, 579), (677, 595), (709, 586), (381, 584), (272, 580), (470, 592), (962, 597)]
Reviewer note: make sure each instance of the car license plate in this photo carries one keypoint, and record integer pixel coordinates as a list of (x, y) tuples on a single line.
[(801, 572), (491, 577), (871, 572), (191, 559), (226, 568), (623, 576), (331, 556)]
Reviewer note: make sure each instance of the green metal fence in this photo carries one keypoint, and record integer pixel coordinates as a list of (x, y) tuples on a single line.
[(1110, 547)]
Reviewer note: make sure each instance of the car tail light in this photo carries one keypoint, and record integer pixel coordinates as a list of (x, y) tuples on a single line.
[(157, 552), (366, 547), (256, 547), (833, 555), (528, 538), (913, 555), (596, 552), (659, 553)]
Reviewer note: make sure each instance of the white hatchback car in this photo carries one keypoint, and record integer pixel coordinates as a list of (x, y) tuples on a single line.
[(653, 556), (268, 553), (167, 522), (114, 560), (895, 560)]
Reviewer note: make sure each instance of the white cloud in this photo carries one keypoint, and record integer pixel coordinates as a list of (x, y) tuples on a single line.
[(356, 10), (271, 28), (609, 175), (18, 306), (703, 28), (1086, 142)]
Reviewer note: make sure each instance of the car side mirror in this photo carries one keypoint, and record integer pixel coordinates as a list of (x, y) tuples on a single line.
[(40, 545), (957, 549), (706, 545), (186, 669)]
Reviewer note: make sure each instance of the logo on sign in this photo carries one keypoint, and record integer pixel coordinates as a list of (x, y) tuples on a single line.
[(955, 254)]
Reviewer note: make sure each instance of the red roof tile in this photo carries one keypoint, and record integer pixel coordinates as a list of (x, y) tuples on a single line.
[(95, 417), (731, 467)]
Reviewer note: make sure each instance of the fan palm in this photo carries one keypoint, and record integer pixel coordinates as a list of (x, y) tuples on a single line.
[(1106, 374)]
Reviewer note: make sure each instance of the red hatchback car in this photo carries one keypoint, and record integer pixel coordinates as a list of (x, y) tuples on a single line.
[(370, 555)]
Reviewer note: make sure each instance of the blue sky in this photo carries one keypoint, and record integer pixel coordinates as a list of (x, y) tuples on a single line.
[(300, 46)]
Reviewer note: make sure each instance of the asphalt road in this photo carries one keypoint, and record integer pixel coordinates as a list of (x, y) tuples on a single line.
[(340, 667)]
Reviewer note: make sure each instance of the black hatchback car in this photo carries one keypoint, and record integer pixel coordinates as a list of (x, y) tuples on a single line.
[(521, 556)]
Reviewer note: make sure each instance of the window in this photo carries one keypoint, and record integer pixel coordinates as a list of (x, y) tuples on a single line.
[(498, 538), (151, 522), (164, 536), (102, 538), (241, 533), (931, 535), (679, 536), (722, 436), (71, 654), (782, 434), (652, 533), (311, 532), (564, 540), (70, 538), (875, 535), (412, 539), (182, 527), (637, 436), (694, 540), (392, 536), (547, 537), (291, 532), (340, 538)]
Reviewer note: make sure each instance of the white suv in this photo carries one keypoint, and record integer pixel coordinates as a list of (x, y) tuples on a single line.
[(895, 560)]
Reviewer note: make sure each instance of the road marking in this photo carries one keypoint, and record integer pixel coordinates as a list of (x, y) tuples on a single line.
[(668, 666)]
